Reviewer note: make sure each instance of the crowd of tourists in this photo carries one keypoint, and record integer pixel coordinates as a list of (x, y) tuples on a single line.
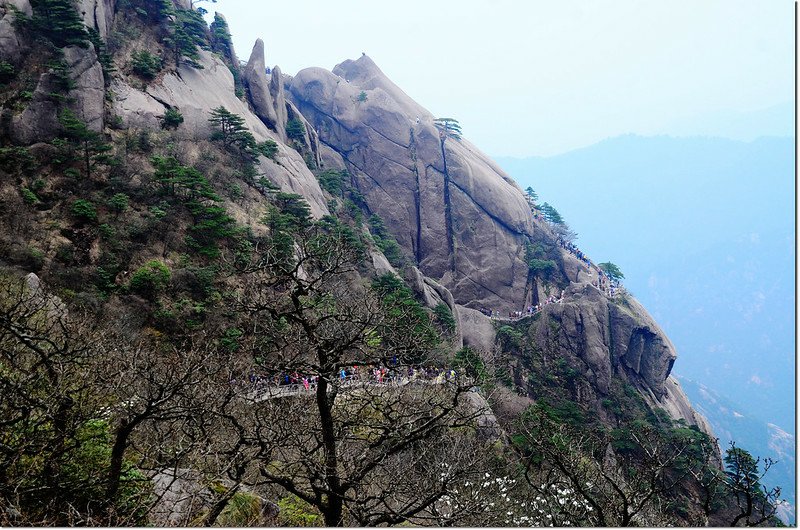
[(349, 375), (604, 282), (528, 311)]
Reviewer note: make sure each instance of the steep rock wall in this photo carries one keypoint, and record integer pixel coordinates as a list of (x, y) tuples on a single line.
[(456, 214)]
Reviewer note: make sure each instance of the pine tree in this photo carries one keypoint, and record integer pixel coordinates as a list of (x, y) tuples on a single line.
[(448, 127), (221, 38), (611, 270), (233, 133), (551, 214), (58, 21), (94, 148)]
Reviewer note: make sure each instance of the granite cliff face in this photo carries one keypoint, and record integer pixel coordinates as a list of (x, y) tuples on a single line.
[(459, 217)]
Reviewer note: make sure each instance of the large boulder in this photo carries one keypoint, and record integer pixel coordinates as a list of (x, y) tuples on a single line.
[(477, 330), (463, 220)]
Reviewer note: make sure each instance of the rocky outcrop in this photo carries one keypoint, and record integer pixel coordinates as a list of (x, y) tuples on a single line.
[(614, 339), (195, 92), (98, 14), (258, 87), (278, 93), (89, 87), (464, 221), (39, 121), (11, 45), (477, 330)]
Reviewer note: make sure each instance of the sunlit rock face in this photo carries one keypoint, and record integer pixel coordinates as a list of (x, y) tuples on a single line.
[(458, 216)]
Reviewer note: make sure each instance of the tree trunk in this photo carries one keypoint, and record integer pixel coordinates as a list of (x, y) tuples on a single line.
[(334, 507), (117, 453)]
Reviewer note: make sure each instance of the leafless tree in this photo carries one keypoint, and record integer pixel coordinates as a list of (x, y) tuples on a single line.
[(359, 453)]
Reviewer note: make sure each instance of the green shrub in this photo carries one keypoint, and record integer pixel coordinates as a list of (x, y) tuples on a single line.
[(145, 64), (472, 363), (296, 512), (268, 148), (28, 196), (118, 203), (541, 267), (230, 339), (172, 119), (445, 317), (16, 159), (385, 242), (295, 130), (333, 181), (84, 210), (150, 279), (243, 510), (32, 259), (509, 338), (362, 96), (7, 72)]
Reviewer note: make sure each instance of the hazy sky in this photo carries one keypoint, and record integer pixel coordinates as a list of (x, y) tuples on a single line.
[(543, 77)]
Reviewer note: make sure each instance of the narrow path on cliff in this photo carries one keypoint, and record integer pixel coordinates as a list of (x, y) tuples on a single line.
[(266, 388)]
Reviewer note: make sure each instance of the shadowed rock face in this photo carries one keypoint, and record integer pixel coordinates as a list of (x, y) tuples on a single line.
[(456, 214), (614, 339)]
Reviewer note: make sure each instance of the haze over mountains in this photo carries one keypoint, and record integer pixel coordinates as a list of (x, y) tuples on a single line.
[(703, 229)]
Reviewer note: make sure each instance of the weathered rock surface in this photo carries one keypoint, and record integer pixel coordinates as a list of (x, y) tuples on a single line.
[(476, 328), (11, 45), (488, 427), (391, 147), (614, 338), (39, 121), (98, 14), (195, 92), (466, 224), (89, 92), (255, 79), (135, 108), (276, 89)]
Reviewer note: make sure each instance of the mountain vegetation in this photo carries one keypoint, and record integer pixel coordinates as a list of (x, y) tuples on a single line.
[(215, 311)]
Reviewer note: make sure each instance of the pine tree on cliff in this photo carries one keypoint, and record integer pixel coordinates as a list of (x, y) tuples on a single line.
[(551, 214), (611, 270), (756, 504), (448, 128), (59, 21)]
